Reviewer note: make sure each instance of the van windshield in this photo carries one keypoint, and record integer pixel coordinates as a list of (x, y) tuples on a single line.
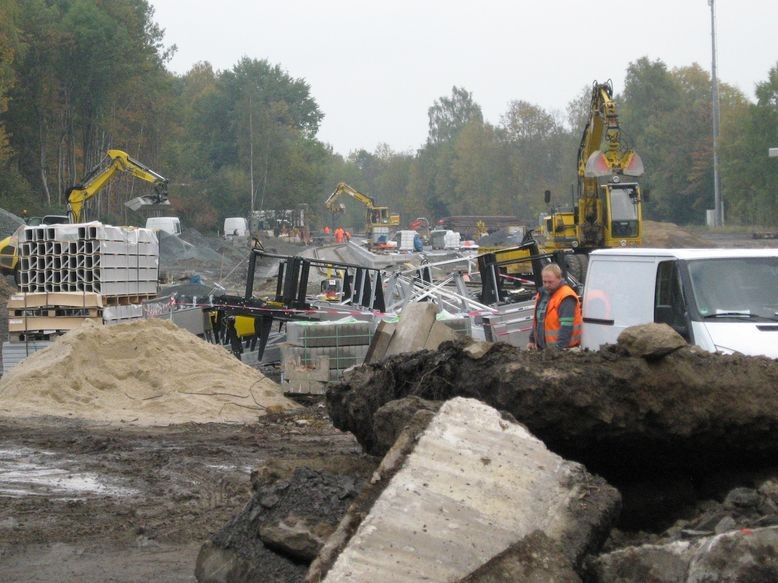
[(735, 288)]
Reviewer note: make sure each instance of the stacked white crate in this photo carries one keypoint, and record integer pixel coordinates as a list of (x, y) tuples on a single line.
[(84, 265)]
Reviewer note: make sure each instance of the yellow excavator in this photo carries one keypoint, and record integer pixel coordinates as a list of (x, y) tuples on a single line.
[(608, 202), (378, 219), (113, 162)]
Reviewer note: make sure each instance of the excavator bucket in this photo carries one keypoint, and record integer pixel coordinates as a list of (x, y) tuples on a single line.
[(597, 165), (145, 201)]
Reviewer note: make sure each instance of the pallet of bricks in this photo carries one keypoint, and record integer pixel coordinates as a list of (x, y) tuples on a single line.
[(72, 273), (318, 352)]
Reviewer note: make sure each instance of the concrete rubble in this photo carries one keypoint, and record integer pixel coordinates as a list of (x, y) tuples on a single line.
[(464, 483), (736, 555)]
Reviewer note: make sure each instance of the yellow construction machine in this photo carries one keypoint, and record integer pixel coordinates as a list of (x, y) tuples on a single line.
[(113, 162), (608, 202), (378, 220)]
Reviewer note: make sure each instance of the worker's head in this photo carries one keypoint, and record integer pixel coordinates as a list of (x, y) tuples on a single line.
[(552, 277)]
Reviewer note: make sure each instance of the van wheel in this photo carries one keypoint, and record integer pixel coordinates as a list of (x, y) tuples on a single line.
[(577, 264)]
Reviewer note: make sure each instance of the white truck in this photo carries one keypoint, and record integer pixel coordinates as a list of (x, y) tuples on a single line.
[(723, 300)]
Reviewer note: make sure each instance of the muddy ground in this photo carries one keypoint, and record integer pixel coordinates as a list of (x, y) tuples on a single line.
[(93, 503)]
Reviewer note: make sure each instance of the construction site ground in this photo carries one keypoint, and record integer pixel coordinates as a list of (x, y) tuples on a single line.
[(91, 502)]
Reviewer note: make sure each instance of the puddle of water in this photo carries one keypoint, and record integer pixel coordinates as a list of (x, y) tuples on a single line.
[(27, 472)]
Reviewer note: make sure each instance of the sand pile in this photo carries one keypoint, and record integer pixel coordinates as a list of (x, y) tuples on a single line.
[(148, 372)]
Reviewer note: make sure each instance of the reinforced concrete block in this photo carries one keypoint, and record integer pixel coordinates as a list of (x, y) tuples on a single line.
[(458, 488), (412, 330)]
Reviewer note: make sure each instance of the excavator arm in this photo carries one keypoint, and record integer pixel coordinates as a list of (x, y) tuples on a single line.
[(608, 208), (603, 120), (377, 216), (98, 177), (342, 188)]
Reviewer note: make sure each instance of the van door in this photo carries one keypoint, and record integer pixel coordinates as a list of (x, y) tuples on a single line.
[(618, 294), (670, 305)]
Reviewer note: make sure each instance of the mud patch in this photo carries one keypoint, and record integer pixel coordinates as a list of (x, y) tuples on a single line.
[(26, 472)]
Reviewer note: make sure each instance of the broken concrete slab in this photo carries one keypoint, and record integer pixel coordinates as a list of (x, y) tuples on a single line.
[(741, 555), (412, 330), (457, 488), (650, 341), (440, 333), (380, 342)]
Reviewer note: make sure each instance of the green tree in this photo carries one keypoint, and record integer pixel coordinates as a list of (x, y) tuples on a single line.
[(750, 178), (448, 115)]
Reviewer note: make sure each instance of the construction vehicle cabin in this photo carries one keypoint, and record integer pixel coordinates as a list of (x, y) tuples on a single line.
[(87, 188)]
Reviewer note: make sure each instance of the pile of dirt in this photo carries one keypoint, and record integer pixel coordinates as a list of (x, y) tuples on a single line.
[(148, 372), (621, 414), (670, 235)]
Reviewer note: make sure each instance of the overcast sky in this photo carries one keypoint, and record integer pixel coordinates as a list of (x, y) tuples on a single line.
[(376, 67)]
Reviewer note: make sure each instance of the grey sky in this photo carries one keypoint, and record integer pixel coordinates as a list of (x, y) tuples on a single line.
[(376, 67)]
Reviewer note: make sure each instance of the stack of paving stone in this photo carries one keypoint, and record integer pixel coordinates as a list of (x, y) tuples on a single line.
[(321, 351)]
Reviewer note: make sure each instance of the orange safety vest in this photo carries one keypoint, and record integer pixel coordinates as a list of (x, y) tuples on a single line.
[(551, 323)]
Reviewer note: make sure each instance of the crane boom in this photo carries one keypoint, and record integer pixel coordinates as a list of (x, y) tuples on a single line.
[(98, 177), (608, 207)]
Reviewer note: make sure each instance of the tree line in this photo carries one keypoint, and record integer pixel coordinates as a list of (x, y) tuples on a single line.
[(78, 77)]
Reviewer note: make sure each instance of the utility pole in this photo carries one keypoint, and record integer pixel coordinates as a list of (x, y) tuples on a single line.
[(717, 198), (251, 154)]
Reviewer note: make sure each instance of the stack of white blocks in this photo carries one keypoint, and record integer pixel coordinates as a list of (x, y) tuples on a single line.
[(89, 257)]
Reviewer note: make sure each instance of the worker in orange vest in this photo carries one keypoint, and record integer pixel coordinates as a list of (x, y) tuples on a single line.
[(558, 320), (339, 235), (326, 229)]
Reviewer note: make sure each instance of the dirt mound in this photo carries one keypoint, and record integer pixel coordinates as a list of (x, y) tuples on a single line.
[(670, 235), (616, 413), (148, 372)]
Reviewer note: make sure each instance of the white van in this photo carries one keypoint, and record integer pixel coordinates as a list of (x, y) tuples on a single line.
[(170, 225), (723, 300), (235, 227)]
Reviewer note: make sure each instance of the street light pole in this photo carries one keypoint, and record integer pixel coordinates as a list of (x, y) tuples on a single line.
[(717, 198)]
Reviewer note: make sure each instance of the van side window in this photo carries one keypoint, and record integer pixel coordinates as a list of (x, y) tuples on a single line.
[(669, 301)]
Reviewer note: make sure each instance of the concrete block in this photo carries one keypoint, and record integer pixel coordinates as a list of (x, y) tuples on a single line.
[(440, 333), (380, 342), (458, 488), (412, 330)]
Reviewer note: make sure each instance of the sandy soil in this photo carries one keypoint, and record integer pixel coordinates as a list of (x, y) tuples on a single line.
[(97, 503)]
